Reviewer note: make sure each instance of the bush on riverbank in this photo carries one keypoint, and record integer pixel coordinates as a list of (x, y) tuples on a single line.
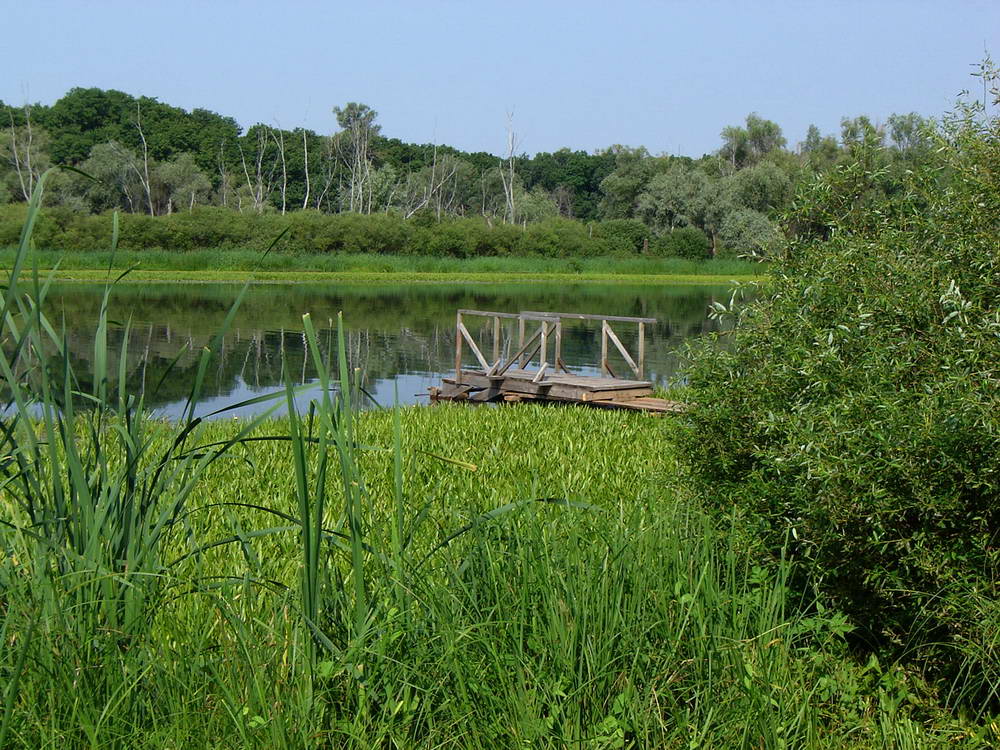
[(857, 413), (207, 227)]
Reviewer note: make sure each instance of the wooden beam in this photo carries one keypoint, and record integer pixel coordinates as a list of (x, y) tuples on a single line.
[(557, 357), (518, 354), (496, 338), (489, 314), (472, 345), (541, 373), (642, 349), (581, 316), (458, 347), (520, 339), (621, 348), (604, 347)]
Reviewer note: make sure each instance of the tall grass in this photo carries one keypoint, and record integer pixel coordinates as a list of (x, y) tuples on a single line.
[(366, 263), (520, 577)]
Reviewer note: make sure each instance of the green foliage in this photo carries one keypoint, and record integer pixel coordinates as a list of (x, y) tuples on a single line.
[(686, 242), (857, 411), (745, 232), (624, 236)]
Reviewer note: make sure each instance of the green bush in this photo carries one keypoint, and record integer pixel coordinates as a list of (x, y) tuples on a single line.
[(685, 242), (857, 411), (558, 238), (749, 233), (627, 236)]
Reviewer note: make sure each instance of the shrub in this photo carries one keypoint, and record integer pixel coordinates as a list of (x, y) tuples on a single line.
[(858, 410), (557, 238), (746, 232), (685, 242), (628, 236)]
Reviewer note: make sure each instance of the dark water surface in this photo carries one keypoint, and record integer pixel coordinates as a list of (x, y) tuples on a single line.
[(399, 337)]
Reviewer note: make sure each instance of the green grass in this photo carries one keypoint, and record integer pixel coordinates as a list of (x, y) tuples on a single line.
[(229, 265), (619, 616)]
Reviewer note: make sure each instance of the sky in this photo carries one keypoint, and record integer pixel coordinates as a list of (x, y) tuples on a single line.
[(584, 74)]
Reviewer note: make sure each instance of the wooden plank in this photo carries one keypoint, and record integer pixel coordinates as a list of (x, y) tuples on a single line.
[(652, 405), (488, 314), (472, 345), (487, 395), (519, 354), (632, 393), (496, 340), (541, 372), (582, 316), (520, 341), (621, 348), (642, 348), (557, 357), (605, 367), (458, 347)]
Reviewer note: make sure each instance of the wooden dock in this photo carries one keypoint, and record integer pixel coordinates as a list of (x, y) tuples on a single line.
[(515, 376)]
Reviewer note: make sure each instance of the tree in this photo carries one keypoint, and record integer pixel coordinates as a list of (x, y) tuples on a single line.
[(820, 152), (910, 135), (261, 169), (672, 199), (621, 188), (117, 177), (182, 183), (856, 131), (24, 148), (745, 232), (353, 146), (765, 188), (743, 147)]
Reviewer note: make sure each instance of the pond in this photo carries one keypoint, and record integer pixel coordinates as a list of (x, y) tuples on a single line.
[(400, 339)]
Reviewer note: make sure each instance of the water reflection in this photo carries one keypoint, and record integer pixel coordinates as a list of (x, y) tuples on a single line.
[(399, 338)]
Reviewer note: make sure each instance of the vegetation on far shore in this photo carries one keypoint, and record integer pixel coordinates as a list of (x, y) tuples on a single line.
[(196, 180), (239, 265)]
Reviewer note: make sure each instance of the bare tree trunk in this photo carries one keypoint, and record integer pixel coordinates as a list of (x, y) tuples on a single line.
[(508, 178), (305, 152), (262, 183), (144, 177), (279, 141), (223, 174), (22, 164)]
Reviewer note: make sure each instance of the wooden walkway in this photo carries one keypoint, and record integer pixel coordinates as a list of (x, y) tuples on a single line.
[(515, 377)]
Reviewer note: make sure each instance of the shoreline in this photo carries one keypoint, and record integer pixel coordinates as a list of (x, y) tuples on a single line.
[(386, 277)]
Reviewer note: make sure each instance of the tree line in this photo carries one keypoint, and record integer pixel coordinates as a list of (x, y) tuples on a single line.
[(141, 156)]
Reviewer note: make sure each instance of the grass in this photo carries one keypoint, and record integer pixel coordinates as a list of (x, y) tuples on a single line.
[(238, 265), (617, 616), (441, 577)]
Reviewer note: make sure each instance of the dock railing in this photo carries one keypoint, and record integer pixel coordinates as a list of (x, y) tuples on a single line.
[(549, 326)]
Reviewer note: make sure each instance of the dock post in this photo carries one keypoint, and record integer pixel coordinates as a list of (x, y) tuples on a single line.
[(458, 347), (557, 360), (496, 339), (604, 347), (520, 342), (545, 342), (642, 348)]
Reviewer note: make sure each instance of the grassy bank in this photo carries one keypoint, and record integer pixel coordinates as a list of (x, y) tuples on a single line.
[(619, 617), (237, 265)]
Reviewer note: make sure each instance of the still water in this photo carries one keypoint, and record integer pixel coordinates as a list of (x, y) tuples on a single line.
[(399, 339)]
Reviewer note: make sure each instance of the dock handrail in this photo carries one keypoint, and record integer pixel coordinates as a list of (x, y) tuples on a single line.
[(549, 323)]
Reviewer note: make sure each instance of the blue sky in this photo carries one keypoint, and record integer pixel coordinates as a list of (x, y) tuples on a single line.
[(666, 75)]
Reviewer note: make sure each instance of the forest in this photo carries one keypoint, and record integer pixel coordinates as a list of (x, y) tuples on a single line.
[(142, 157)]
